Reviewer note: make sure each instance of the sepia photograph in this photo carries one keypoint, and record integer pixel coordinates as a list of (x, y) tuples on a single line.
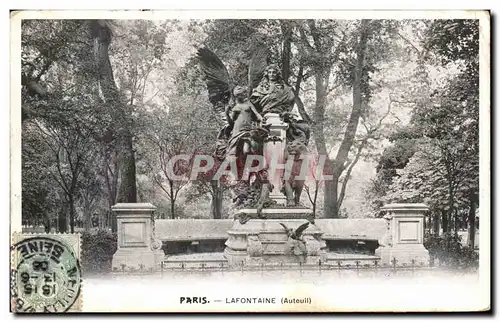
[(250, 161)]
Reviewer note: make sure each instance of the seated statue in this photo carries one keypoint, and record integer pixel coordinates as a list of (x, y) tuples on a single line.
[(272, 95)]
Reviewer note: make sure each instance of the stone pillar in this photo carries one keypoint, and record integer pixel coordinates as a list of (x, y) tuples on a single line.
[(274, 153), (404, 240), (137, 248)]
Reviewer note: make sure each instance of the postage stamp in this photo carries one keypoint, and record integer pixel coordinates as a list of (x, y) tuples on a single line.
[(45, 273)]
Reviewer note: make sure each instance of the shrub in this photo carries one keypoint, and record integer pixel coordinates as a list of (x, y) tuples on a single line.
[(448, 250), (98, 248)]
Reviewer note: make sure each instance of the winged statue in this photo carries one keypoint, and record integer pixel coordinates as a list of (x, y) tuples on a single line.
[(242, 131), (242, 110), (297, 233), (299, 246)]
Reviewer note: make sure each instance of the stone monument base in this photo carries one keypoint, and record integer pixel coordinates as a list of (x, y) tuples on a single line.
[(137, 247), (139, 259), (404, 240), (265, 241), (404, 254)]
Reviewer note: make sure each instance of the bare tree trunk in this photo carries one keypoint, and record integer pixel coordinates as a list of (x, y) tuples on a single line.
[(352, 125), (444, 216), (71, 214), (112, 186), (435, 225), (286, 30), (61, 222), (172, 199), (120, 112), (449, 213), (472, 224), (330, 198), (330, 192), (87, 224), (47, 223), (300, 105), (216, 204), (315, 199), (128, 185), (88, 218), (348, 173)]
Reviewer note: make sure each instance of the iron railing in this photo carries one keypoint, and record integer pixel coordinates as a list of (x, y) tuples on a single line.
[(333, 265)]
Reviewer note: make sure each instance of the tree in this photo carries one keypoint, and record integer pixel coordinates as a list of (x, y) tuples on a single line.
[(75, 80), (185, 127), (445, 127), (38, 194), (71, 147), (325, 45), (46, 44), (58, 104), (137, 106), (457, 41), (393, 159), (328, 58), (109, 170), (90, 191), (312, 193), (120, 112), (217, 189)]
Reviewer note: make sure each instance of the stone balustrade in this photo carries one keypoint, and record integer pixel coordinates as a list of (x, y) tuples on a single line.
[(140, 237)]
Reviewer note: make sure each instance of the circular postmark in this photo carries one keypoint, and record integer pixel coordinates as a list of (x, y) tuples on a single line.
[(46, 276)]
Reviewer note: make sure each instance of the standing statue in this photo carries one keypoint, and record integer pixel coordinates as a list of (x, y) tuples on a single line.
[(244, 116), (297, 139)]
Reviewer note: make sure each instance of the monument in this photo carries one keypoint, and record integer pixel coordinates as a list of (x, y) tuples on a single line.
[(272, 226), (268, 226)]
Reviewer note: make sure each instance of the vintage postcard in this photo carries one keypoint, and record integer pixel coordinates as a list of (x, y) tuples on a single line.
[(250, 161)]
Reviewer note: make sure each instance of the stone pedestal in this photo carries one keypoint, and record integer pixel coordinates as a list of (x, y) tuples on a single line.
[(405, 235), (265, 241), (274, 154), (137, 248)]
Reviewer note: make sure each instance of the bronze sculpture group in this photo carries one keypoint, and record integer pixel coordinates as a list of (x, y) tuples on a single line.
[(244, 108)]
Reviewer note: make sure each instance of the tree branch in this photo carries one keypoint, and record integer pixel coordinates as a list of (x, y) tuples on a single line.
[(298, 101), (309, 194), (409, 42), (305, 43)]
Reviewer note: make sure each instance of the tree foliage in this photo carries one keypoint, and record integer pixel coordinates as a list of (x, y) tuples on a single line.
[(444, 129)]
